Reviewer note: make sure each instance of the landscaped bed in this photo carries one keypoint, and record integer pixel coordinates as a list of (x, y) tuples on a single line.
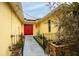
[(58, 47), (62, 50), (40, 41), (67, 40), (17, 49)]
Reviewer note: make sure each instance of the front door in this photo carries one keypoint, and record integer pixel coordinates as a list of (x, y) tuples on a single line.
[(28, 29)]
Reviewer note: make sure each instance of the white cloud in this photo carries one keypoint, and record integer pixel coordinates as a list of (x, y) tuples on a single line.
[(33, 6)]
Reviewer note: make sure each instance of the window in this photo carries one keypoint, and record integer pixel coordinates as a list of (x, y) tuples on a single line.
[(49, 25)]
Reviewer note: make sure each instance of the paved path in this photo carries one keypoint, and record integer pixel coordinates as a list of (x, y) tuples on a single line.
[(32, 48)]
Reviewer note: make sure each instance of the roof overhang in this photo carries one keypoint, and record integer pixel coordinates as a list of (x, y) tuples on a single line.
[(17, 8), (51, 13)]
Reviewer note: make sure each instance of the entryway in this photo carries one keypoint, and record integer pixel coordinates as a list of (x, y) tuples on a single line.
[(28, 29)]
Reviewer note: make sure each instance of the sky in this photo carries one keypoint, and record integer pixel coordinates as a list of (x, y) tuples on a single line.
[(35, 10)]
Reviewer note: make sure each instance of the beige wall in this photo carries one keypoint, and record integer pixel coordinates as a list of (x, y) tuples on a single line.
[(8, 25)]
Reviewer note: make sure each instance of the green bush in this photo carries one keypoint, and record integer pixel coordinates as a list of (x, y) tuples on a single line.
[(20, 43)]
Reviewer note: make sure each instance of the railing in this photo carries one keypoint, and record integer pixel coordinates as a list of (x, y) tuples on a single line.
[(44, 39), (54, 49), (51, 36)]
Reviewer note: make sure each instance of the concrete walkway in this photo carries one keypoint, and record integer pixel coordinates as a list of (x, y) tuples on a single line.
[(32, 48)]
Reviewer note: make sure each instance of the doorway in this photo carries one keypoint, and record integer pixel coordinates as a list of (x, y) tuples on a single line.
[(28, 29)]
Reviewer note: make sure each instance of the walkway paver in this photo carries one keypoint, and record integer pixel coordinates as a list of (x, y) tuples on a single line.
[(32, 48)]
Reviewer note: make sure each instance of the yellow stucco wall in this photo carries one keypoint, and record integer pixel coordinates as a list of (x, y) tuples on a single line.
[(8, 25), (34, 29), (16, 27), (43, 25)]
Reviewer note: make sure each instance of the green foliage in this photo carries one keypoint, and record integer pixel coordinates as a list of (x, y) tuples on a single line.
[(69, 25), (75, 6), (20, 43)]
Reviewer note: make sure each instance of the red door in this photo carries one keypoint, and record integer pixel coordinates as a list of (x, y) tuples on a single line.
[(28, 29)]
